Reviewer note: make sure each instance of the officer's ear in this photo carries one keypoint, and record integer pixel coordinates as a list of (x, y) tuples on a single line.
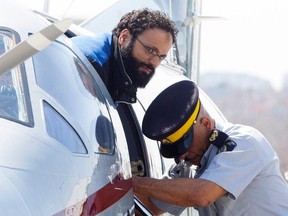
[(124, 37), (206, 122)]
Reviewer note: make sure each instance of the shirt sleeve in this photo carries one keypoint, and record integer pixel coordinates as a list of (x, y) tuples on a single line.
[(168, 207), (234, 170)]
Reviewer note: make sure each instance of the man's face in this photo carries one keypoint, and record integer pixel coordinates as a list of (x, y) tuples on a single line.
[(141, 55), (194, 153), (199, 145), (133, 67)]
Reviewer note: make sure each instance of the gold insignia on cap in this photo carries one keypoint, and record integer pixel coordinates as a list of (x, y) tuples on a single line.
[(185, 127), (213, 136), (165, 141)]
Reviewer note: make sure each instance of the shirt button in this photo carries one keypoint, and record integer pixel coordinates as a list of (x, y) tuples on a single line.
[(126, 83), (132, 99)]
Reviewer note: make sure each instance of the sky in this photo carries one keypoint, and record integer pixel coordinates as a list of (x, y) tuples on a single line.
[(252, 39)]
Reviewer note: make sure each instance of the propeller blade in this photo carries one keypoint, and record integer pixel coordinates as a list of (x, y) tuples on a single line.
[(33, 44)]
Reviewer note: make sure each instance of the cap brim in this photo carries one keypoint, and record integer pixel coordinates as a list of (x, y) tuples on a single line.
[(176, 149)]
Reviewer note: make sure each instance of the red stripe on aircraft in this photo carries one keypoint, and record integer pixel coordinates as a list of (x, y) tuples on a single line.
[(107, 196)]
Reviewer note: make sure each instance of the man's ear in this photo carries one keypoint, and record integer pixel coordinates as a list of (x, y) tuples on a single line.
[(124, 37), (206, 122)]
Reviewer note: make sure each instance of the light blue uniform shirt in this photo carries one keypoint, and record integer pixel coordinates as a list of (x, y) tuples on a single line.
[(250, 173)]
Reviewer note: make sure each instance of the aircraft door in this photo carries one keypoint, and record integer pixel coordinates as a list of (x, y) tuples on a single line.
[(134, 139), (156, 164)]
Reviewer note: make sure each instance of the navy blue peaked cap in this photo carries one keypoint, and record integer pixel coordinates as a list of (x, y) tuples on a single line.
[(170, 118)]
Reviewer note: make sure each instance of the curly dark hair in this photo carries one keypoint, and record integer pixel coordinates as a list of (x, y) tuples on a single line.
[(137, 21)]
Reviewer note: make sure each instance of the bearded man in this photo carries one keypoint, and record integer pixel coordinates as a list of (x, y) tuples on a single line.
[(126, 58)]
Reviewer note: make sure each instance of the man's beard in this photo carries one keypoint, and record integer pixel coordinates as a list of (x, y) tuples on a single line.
[(132, 65)]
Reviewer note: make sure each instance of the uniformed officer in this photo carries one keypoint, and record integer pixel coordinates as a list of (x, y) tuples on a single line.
[(237, 169)]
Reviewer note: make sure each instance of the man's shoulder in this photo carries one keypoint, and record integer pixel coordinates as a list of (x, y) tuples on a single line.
[(249, 138), (96, 47), (239, 130), (95, 41)]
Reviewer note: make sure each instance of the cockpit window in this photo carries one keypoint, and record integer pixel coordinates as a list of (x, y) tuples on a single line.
[(13, 85), (77, 98), (58, 128)]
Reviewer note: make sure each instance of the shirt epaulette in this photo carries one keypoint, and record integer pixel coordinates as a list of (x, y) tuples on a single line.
[(221, 141), (229, 145)]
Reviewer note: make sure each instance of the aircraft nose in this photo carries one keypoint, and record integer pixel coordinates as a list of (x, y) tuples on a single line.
[(11, 200)]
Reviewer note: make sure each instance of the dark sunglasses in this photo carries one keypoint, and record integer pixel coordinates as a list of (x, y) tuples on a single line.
[(173, 150)]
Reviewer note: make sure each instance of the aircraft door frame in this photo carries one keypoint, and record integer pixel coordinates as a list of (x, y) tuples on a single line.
[(155, 162), (134, 139)]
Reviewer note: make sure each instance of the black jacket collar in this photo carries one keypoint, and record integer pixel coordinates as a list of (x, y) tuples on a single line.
[(121, 86)]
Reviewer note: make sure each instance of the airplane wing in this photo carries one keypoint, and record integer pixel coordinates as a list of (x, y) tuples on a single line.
[(32, 45)]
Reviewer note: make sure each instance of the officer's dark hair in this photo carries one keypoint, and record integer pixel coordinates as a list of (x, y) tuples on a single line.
[(137, 21)]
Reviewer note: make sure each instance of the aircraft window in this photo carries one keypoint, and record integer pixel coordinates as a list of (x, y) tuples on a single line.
[(103, 133), (58, 128), (13, 85), (68, 81)]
